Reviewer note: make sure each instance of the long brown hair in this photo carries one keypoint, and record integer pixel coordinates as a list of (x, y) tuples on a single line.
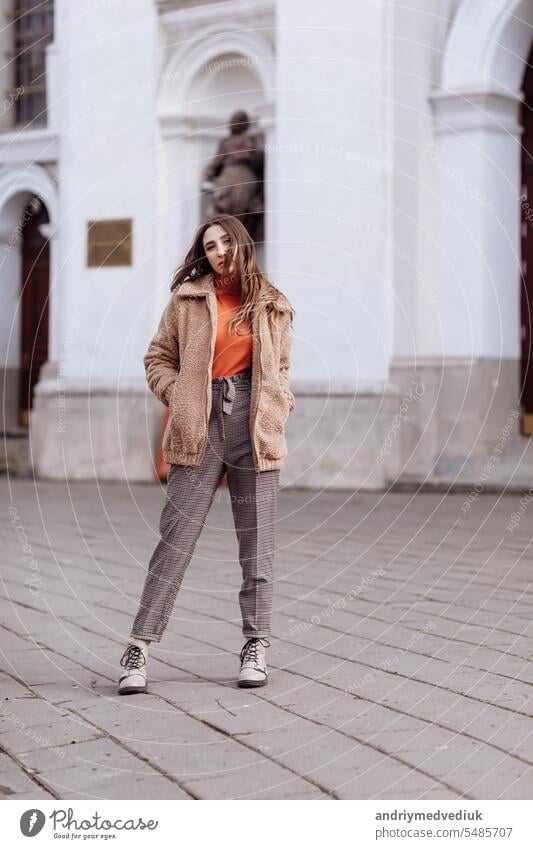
[(258, 293)]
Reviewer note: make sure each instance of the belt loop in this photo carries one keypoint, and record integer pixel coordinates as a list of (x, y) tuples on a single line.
[(220, 417)]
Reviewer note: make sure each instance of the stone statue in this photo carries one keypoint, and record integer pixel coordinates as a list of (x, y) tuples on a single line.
[(234, 178)]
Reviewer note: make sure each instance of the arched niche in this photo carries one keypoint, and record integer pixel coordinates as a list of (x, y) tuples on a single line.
[(203, 82)]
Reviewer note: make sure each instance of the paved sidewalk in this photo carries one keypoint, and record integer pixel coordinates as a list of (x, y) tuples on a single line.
[(399, 665)]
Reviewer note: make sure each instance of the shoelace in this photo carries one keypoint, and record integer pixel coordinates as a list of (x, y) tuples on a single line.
[(249, 650), (133, 658)]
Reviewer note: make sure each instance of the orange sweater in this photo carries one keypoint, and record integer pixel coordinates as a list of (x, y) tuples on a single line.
[(233, 352)]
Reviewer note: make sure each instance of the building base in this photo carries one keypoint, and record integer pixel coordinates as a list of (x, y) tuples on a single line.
[(101, 433)]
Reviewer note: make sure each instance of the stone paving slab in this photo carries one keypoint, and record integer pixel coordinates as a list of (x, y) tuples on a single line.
[(15, 782), (57, 733), (261, 780), (99, 782), (399, 660)]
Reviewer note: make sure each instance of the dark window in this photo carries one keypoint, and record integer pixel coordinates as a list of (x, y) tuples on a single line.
[(32, 30)]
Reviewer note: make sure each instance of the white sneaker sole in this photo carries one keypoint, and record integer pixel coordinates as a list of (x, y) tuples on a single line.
[(251, 683), (130, 691)]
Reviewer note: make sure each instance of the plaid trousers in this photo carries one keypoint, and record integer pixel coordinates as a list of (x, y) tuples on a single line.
[(190, 493)]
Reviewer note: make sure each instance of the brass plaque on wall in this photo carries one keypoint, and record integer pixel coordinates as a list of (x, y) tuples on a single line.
[(109, 242)]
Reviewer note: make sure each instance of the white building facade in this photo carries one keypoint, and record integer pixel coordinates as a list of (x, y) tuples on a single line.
[(394, 223)]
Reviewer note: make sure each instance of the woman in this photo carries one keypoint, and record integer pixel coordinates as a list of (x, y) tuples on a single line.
[(220, 361)]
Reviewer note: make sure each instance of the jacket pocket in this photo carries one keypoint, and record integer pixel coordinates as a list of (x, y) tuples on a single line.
[(270, 424), (287, 399), (286, 406), (290, 401), (186, 414), (170, 392)]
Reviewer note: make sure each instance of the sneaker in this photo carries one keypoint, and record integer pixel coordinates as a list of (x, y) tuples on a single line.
[(253, 664), (134, 660)]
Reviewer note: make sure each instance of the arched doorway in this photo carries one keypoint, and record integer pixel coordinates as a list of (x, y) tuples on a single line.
[(34, 302), (526, 299), (30, 315)]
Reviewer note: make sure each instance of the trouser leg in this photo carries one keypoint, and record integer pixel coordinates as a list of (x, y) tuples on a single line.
[(254, 504), (190, 493), (254, 500)]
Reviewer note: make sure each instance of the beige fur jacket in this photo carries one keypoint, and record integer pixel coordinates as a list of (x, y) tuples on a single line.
[(178, 367)]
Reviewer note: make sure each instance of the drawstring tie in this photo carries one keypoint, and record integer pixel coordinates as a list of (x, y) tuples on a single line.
[(224, 402)]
